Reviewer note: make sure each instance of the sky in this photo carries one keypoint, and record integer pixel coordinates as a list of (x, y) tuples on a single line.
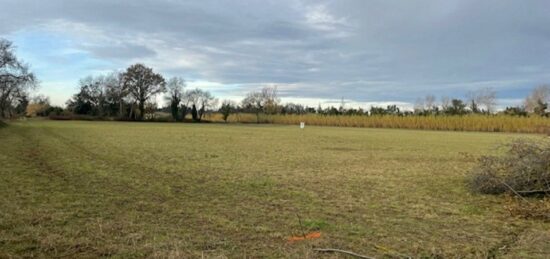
[(316, 52)]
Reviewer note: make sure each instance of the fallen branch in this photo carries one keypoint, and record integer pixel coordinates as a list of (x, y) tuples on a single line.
[(514, 191), (534, 192), (332, 250)]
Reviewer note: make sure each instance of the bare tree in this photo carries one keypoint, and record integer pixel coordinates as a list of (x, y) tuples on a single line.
[(483, 99), (15, 79), (117, 91), (419, 106), (143, 84), (201, 102), (425, 105), (539, 95), (489, 99), (94, 89), (265, 101), (429, 103), (271, 100), (445, 103), (175, 95), (472, 101)]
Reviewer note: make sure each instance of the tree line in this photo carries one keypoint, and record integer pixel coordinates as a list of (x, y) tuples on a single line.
[(132, 95)]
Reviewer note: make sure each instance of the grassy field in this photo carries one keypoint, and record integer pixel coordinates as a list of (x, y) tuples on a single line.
[(89, 189)]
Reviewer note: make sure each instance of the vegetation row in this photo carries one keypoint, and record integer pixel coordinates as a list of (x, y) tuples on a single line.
[(132, 94)]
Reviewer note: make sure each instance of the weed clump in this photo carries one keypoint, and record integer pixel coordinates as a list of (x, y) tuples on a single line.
[(523, 170)]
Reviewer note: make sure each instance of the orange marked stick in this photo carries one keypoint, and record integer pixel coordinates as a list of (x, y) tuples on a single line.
[(311, 235)]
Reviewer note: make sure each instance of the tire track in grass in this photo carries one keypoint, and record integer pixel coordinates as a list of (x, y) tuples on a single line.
[(98, 195), (149, 193)]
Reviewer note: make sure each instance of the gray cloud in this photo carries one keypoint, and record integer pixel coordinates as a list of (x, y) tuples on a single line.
[(362, 50), (122, 52)]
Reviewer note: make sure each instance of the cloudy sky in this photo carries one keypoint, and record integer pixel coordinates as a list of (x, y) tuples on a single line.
[(364, 51)]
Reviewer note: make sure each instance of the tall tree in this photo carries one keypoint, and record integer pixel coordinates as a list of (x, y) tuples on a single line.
[(482, 100), (206, 101), (201, 102), (175, 92), (419, 107), (98, 95), (457, 107), (95, 91), (80, 103), (116, 92), (265, 101), (429, 102), (540, 109), (539, 96), (227, 108), (142, 84), (194, 113), (445, 103), (15, 79), (472, 101), (426, 105)]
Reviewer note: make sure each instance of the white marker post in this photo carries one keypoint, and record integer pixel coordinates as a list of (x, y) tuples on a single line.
[(302, 125)]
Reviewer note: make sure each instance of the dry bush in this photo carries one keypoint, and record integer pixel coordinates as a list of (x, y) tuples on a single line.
[(34, 109), (523, 170), (80, 117)]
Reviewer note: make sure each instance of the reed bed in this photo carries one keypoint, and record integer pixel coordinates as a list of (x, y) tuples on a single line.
[(485, 123)]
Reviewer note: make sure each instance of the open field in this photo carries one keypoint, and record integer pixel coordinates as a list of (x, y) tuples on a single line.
[(89, 189)]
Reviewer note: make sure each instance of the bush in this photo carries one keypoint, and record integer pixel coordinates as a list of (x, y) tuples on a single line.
[(78, 117), (523, 170)]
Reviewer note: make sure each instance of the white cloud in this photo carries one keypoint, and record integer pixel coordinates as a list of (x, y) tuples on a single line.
[(319, 17)]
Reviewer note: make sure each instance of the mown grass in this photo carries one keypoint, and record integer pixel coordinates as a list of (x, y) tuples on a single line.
[(91, 189), (485, 123)]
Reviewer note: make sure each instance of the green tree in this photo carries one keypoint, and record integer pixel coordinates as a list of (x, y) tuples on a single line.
[(143, 84), (194, 113), (226, 109), (457, 107)]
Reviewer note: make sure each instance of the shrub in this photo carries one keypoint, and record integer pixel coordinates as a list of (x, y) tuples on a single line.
[(523, 170), (78, 117)]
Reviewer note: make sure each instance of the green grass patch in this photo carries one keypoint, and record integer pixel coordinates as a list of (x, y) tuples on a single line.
[(312, 224)]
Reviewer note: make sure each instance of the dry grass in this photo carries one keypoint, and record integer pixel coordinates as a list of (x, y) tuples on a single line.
[(530, 209), (91, 189), (533, 124)]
